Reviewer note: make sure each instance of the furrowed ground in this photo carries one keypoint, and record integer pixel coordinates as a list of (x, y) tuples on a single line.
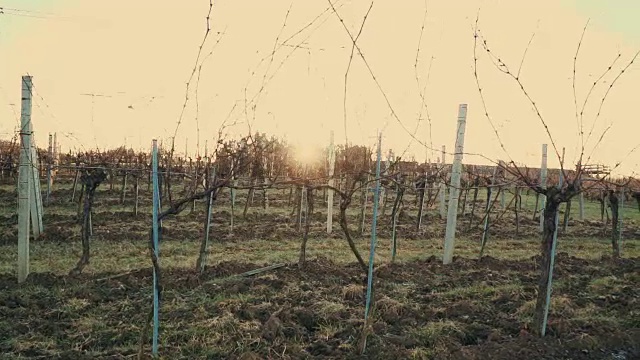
[(468, 310)]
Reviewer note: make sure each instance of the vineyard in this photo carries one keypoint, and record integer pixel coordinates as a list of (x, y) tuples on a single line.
[(270, 281), (274, 244)]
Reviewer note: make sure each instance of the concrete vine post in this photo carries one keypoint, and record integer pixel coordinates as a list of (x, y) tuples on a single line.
[(36, 195), (442, 195), (204, 246), (620, 219), (55, 160), (49, 168), (456, 170), (155, 234), (581, 195), (24, 182), (332, 161), (543, 184)]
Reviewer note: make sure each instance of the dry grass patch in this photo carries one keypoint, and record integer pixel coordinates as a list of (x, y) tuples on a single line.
[(352, 292)]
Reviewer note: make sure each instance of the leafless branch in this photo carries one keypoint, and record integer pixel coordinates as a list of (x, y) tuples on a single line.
[(346, 74)]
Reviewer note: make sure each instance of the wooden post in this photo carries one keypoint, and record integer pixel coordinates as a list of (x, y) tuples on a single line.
[(456, 170)]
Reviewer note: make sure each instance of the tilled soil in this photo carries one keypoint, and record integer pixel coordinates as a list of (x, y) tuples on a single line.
[(423, 310), (470, 310)]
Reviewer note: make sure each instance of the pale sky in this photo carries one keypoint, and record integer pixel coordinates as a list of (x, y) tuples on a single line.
[(136, 50)]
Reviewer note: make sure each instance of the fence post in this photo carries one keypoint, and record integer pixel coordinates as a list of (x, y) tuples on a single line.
[(580, 195), (553, 257), (443, 201), (456, 170), (156, 206), (36, 195), (543, 184), (372, 249), (332, 161), (503, 197), (24, 182), (56, 152), (207, 231), (49, 163), (620, 216)]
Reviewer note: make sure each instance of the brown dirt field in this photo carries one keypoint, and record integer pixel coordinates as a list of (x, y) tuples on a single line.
[(472, 310), (423, 309)]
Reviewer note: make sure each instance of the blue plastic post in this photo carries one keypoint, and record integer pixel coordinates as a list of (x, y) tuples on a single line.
[(394, 240), (156, 203), (372, 251)]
